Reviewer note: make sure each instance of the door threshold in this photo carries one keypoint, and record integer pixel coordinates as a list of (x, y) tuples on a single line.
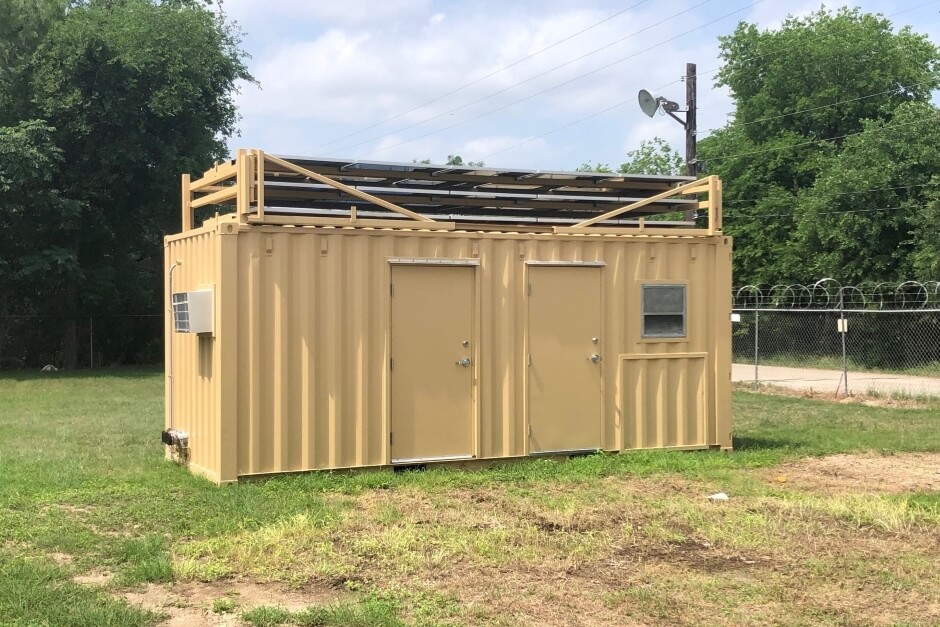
[(569, 451), (427, 460)]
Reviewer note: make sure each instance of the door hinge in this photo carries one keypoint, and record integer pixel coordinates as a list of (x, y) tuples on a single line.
[(529, 359), (391, 289), (391, 364), (390, 437), (530, 289)]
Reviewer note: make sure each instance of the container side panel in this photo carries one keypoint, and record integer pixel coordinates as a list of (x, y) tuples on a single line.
[(664, 400), (314, 311), (193, 369)]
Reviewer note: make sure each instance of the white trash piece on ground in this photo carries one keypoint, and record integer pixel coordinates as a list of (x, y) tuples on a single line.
[(49, 368), (718, 496)]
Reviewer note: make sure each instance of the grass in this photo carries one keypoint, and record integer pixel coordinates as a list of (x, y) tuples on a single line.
[(370, 613), (624, 538)]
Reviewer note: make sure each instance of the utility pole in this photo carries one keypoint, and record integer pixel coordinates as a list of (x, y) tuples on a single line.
[(650, 103), (691, 165)]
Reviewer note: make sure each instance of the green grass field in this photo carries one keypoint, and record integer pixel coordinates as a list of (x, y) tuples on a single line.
[(96, 528)]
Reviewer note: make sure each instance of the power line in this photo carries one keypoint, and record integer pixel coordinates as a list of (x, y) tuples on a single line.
[(828, 106), (544, 91), (834, 194), (482, 78), (522, 82), (679, 80), (807, 143), (624, 102), (823, 213), (612, 107)]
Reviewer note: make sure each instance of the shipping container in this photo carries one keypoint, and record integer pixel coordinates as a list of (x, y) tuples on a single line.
[(351, 315)]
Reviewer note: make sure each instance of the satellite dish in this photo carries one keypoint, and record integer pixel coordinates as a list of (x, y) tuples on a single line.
[(648, 102)]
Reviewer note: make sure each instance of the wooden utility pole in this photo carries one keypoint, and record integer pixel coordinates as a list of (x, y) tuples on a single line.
[(691, 165)]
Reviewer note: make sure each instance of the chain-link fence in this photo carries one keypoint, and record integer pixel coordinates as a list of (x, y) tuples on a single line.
[(878, 339), (87, 342)]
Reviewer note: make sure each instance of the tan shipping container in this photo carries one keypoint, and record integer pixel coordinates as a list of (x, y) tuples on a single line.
[(347, 345)]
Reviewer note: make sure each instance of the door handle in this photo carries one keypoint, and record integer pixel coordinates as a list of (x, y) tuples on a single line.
[(465, 362), (595, 358)]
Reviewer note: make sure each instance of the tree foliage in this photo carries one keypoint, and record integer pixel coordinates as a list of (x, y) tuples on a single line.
[(827, 107), (654, 156), (126, 95)]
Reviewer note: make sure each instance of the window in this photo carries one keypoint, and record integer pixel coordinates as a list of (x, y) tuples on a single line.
[(664, 311)]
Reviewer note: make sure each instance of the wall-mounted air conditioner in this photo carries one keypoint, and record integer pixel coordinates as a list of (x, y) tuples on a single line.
[(192, 312)]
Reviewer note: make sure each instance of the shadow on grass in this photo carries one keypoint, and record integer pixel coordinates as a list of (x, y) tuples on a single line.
[(751, 443)]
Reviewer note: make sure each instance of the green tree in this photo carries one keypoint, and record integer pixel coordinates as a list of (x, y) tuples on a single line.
[(802, 93), (589, 166), (867, 214), (23, 26), (457, 160), (654, 156), (131, 93), (36, 225)]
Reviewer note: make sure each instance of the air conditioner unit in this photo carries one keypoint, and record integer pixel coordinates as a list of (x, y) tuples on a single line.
[(192, 312)]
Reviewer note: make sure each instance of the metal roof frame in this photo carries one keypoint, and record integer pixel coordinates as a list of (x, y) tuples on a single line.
[(308, 190)]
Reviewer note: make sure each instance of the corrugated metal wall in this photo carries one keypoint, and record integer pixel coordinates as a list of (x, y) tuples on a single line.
[(195, 359), (312, 346), (296, 376)]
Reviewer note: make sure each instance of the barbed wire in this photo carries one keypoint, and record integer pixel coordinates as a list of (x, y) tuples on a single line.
[(830, 295)]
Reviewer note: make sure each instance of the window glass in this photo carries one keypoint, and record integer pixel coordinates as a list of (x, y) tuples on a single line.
[(664, 311), (666, 299)]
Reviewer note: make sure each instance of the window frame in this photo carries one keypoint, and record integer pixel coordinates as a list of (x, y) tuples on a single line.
[(668, 337)]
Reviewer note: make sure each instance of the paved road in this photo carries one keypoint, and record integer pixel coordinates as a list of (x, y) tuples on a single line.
[(831, 380)]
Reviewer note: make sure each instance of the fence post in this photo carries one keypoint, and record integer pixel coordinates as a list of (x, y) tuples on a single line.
[(756, 350), (845, 364)]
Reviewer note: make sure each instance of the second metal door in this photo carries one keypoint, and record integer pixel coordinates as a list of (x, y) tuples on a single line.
[(564, 360), (432, 363)]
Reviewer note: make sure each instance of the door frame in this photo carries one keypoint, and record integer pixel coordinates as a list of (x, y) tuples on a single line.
[(526, 423), (475, 352)]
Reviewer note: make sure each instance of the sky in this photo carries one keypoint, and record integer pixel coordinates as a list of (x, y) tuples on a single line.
[(534, 84)]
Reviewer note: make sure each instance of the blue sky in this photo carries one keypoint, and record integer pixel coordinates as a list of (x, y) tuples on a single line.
[(373, 79)]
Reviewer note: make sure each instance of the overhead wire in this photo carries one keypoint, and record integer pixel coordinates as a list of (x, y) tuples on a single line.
[(823, 213), (679, 80), (482, 78), (835, 194), (449, 112), (568, 82), (810, 142), (617, 106)]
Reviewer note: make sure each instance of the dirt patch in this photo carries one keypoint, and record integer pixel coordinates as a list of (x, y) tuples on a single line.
[(700, 556), (94, 578), (191, 603), (903, 472), (898, 402), (62, 559)]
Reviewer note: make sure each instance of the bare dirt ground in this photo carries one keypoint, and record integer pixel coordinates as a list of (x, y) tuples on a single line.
[(901, 472), (619, 550), (828, 381), (837, 397), (190, 603)]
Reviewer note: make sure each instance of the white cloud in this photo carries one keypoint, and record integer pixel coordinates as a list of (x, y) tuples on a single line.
[(338, 71), (491, 146), (319, 13)]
